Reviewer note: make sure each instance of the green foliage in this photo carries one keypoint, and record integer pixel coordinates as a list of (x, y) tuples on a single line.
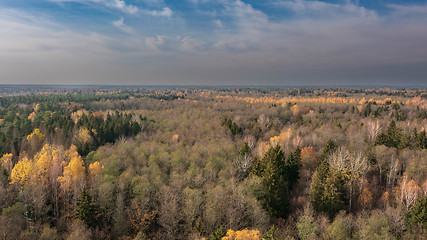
[(292, 167), (270, 234), (328, 194), (327, 150), (232, 126), (421, 140), (307, 226), (49, 234), (220, 232), (393, 137), (418, 214), (17, 209), (275, 197), (108, 130), (376, 227), (340, 228), (86, 211), (245, 149)]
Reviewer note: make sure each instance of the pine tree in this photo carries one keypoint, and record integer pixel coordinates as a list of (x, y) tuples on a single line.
[(419, 213), (421, 141), (292, 167), (85, 209), (327, 150), (328, 193), (275, 187)]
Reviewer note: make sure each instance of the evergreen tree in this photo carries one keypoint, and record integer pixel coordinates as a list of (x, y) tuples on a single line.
[(328, 193), (421, 141), (419, 213), (292, 167), (275, 197), (245, 149), (219, 233), (85, 209), (327, 150)]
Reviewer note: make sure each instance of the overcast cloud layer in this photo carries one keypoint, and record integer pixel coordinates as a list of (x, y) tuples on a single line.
[(206, 42)]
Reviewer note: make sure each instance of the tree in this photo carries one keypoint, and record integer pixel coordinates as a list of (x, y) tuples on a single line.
[(86, 211), (327, 150), (419, 213), (308, 158), (393, 137), (421, 141), (408, 192), (243, 161), (6, 162), (334, 196), (275, 197), (22, 172), (73, 177), (292, 167), (307, 226), (244, 234), (219, 233), (328, 193)]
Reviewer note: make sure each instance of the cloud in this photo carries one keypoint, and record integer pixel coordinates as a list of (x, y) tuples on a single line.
[(120, 24), (319, 9), (409, 9), (115, 4), (165, 12), (320, 43)]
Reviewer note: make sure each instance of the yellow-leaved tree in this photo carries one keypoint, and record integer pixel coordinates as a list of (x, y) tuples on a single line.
[(244, 234), (73, 177), (42, 163), (6, 162), (36, 134), (22, 172), (95, 168)]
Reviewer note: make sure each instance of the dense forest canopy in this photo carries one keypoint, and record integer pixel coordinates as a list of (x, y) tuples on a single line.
[(212, 163)]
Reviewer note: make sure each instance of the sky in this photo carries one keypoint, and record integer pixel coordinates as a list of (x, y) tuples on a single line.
[(214, 42)]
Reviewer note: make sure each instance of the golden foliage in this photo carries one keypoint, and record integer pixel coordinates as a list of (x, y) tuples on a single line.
[(36, 134), (6, 162), (78, 114), (22, 172), (295, 110), (95, 168), (74, 173), (244, 234), (308, 157), (98, 114), (83, 136), (365, 198), (318, 100), (407, 192), (282, 139), (31, 116), (263, 148), (175, 138)]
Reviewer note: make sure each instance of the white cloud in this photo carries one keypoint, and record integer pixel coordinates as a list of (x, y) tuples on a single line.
[(249, 49), (319, 9), (409, 9), (115, 4), (165, 12), (120, 24), (218, 23)]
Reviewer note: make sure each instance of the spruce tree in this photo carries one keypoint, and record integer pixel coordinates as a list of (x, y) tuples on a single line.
[(275, 197), (292, 167), (85, 209)]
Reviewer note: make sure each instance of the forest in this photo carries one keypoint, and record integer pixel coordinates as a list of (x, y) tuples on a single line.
[(135, 163)]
